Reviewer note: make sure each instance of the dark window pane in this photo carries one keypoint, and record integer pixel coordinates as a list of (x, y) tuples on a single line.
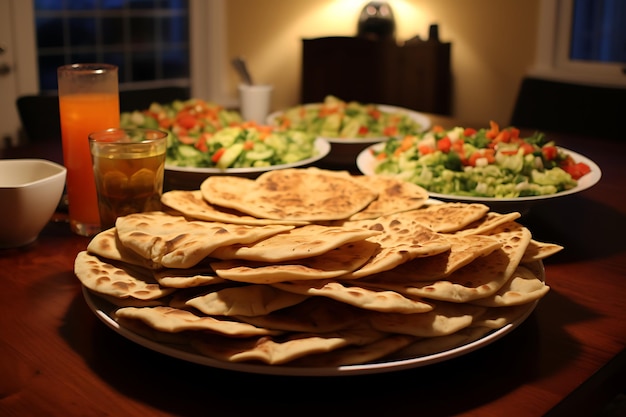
[(175, 29), (81, 4), (84, 57), (598, 31), (112, 31), (117, 58), (48, 5), (82, 31), (49, 32), (48, 71), (175, 63), (112, 4), (142, 30), (144, 66), (175, 4), (141, 4)]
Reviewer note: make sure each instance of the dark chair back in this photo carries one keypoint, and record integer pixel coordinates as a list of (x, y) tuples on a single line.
[(39, 114), (549, 105)]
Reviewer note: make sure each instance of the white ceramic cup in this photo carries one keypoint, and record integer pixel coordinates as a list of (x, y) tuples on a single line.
[(255, 102)]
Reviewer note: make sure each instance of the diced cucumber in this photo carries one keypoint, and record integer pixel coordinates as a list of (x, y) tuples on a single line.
[(230, 155)]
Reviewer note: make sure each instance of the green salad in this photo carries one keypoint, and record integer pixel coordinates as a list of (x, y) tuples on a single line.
[(205, 135), (335, 118), (488, 162)]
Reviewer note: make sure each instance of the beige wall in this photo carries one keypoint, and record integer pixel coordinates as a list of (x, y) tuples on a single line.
[(493, 44)]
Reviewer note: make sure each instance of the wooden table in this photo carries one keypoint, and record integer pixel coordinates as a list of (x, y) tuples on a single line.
[(566, 359)]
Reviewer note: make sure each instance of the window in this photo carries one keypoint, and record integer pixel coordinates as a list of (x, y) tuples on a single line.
[(147, 39), (583, 41)]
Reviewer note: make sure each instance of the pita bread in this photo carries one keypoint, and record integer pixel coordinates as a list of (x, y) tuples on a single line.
[(247, 300), (339, 261), (480, 278), (186, 278), (522, 288), (488, 222), (377, 300), (301, 242), (193, 205), (290, 194), (175, 242), (444, 319), (540, 250), (400, 241), (463, 250), (172, 320), (107, 245), (449, 217), (281, 350), (118, 281), (394, 195), (313, 315)]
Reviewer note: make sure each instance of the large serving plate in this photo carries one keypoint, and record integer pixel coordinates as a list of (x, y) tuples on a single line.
[(366, 164), (104, 311), (190, 178), (345, 150)]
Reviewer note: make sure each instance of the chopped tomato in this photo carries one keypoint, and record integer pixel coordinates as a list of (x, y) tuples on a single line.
[(469, 132), (218, 154), (248, 145), (576, 170), (201, 145), (482, 153), (381, 156), (375, 113), (186, 120), (187, 140), (493, 131), (444, 144), (438, 129), (549, 152), (363, 130), (390, 131), (527, 147), (425, 149)]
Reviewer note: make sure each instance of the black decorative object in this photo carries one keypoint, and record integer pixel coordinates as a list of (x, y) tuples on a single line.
[(376, 21)]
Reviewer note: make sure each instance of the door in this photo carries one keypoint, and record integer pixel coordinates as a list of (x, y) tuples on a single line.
[(18, 71)]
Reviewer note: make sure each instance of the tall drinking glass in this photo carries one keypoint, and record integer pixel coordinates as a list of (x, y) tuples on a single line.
[(88, 101)]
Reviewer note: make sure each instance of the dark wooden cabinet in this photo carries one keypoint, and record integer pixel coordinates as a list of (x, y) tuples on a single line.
[(415, 75)]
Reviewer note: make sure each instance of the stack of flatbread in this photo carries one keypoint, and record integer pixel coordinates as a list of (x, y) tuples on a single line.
[(307, 267)]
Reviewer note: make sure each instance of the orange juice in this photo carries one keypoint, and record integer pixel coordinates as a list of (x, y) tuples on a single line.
[(82, 114)]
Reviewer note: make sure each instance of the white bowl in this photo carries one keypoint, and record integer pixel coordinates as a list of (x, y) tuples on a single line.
[(367, 165), (30, 191)]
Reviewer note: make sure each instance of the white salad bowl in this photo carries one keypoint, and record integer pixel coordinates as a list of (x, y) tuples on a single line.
[(30, 191)]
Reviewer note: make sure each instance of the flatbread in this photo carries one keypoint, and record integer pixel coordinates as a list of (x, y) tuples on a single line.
[(444, 319), (187, 278), (290, 194), (522, 288), (368, 299), (281, 350), (540, 250), (481, 278), (107, 245), (172, 320), (402, 240), (488, 222), (193, 205), (449, 217), (301, 242), (313, 315), (339, 261), (175, 242), (463, 250), (121, 281), (247, 300), (394, 195)]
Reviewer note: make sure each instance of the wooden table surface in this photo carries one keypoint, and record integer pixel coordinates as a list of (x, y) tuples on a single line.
[(566, 359)]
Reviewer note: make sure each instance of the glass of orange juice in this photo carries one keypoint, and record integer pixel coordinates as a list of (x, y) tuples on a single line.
[(88, 101)]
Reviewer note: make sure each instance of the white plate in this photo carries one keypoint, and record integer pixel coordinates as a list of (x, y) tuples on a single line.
[(420, 118), (321, 146), (104, 310), (367, 163)]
